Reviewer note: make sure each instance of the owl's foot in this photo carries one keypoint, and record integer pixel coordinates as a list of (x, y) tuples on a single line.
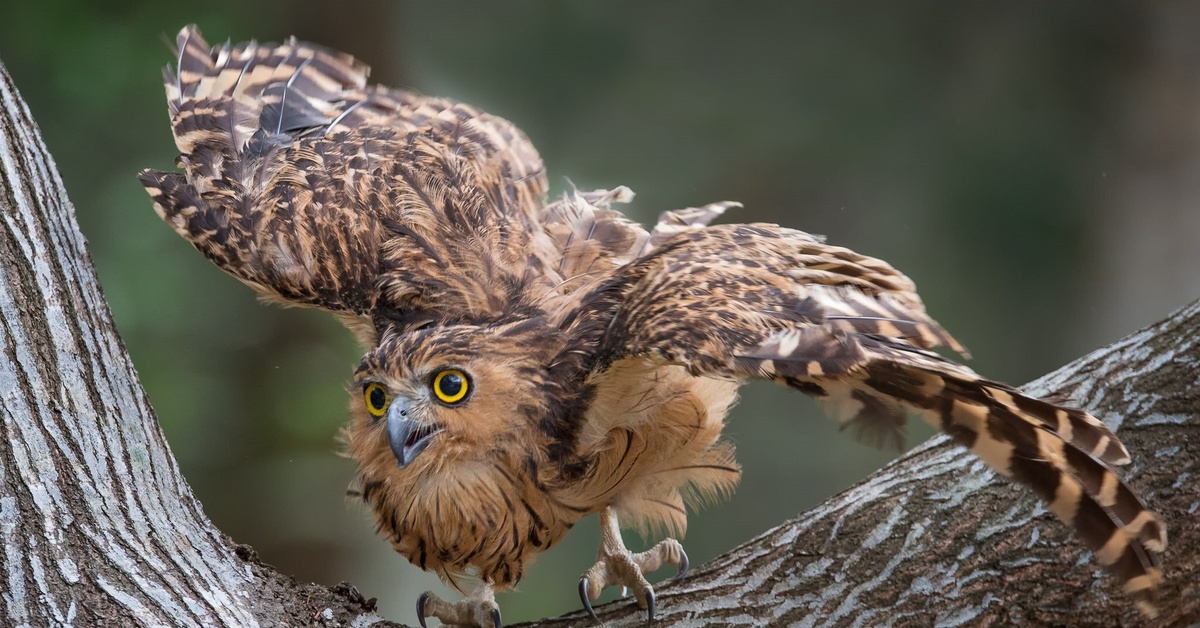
[(479, 609), (616, 565)]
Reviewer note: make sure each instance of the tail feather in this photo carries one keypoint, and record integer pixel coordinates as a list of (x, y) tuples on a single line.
[(1062, 454)]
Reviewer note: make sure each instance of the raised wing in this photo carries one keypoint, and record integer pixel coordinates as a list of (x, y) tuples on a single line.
[(761, 301), (297, 175)]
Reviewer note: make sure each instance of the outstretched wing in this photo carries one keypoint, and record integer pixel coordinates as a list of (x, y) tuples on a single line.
[(761, 301), (297, 175)]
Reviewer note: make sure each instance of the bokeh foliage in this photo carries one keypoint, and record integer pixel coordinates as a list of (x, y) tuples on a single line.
[(962, 142)]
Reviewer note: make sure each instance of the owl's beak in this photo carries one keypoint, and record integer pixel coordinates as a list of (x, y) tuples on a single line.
[(407, 438)]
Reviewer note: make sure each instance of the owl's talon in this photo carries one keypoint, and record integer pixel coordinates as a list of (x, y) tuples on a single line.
[(684, 565), (583, 597), (421, 608), (616, 565), (496, 618)]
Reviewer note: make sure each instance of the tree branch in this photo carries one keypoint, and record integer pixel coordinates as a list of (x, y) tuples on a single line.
[(97, 527)]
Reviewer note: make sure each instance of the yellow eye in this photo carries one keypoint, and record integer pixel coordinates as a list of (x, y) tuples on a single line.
[(377, 399), (451, 386)]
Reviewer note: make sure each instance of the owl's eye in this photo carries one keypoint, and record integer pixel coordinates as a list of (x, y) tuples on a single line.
[(451, 386), (377, 399)]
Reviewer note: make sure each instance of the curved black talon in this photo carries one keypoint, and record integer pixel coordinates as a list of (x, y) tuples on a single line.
[(583, 596), (421, 609), (684, 564), (496, 618), (649, 607)]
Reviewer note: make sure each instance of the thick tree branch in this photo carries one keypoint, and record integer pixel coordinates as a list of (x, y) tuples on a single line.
[(98, 528)]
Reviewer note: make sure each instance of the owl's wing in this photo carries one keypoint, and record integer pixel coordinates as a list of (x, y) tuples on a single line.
[(297, 174), (764, 302)]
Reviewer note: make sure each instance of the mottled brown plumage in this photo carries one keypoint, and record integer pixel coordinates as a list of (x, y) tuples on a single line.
[(532, 362)]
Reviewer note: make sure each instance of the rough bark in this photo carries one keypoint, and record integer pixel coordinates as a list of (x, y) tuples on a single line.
[(97, 527)]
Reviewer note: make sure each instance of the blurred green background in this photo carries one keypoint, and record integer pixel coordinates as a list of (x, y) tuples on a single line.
[(1032, 166)]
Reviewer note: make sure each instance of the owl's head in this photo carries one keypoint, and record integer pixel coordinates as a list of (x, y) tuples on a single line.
[(453, 425), (449, 397)]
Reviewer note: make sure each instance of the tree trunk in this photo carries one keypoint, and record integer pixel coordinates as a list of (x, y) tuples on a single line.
[(97, 527)]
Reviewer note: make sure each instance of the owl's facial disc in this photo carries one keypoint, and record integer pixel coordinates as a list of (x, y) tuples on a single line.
[(407, 438)]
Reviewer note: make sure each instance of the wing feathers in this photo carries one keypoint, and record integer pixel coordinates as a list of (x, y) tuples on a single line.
[(292, 164), (741, 301)]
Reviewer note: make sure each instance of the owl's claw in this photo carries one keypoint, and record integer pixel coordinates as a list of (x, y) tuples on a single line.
[(583, 597), (479, 609), (684, 565), (421, 608), (616, 565)]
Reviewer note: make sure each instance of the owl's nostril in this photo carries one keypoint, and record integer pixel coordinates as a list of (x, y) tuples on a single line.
[(400, 406)]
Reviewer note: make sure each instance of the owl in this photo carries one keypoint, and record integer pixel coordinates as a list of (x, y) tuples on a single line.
[(532, 362)]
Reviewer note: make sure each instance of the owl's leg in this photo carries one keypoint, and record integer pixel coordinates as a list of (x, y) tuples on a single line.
[(616, 565), (478, 609)]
